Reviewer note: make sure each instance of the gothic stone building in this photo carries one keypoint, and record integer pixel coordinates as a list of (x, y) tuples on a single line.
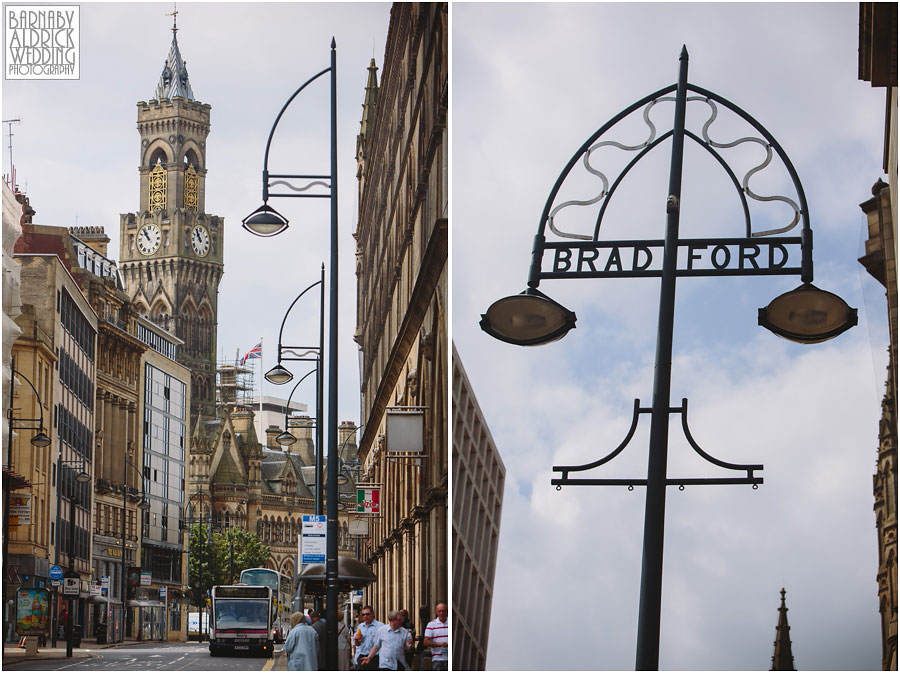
[(401, 330), (260, 487)]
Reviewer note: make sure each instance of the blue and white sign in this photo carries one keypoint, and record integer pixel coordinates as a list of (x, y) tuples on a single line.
[(56, 573), (313, 539)]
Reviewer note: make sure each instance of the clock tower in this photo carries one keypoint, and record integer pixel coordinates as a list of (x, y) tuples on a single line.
[(171, 249)]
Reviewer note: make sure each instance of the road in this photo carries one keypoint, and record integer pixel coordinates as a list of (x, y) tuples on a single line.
[(150, 657)]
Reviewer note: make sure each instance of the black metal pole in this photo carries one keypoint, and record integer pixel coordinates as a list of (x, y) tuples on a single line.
[(70, 601), (200, 545), (331, 554), (320, 381), (655, 510), (7, 476), (124, 565), (210, 554)]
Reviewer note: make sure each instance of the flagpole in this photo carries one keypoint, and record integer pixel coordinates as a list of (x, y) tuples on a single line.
[(259, 436)]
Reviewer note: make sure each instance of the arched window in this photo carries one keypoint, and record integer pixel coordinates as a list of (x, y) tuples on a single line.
[(158, 183)]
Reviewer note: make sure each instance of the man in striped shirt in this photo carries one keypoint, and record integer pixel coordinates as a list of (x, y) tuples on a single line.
[(436, 638)]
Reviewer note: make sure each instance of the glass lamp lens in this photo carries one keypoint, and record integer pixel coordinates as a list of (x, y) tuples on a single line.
[(278, 375), (285, 439), (527, 319), (265, 221), (808, 315)]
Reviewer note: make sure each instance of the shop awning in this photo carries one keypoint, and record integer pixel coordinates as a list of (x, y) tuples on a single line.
[(146, 604)]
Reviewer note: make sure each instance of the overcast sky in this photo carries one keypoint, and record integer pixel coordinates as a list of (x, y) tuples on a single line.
[(77, 149), (531, 82)]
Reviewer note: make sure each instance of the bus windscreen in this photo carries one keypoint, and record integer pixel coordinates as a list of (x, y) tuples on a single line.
[(241, 614)]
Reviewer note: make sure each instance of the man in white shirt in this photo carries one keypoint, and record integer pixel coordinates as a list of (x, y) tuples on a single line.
[(436, 638), (365, 634), (390, 644)]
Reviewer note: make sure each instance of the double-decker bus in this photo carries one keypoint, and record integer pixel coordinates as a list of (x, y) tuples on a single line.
[(282, 593), (241, 620)]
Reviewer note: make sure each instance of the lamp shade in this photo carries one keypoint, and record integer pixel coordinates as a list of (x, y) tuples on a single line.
[(265, 221), (285, 438), (808, 315), (40, 440), (82, 477), (527, 319), (278, 375), (144, 506)]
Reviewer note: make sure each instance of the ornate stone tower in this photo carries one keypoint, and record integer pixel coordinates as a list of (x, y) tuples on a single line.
[(171, 250)]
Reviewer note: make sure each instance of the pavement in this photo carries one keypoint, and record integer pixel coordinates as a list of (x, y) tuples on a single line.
[(278, 662), (14, 654)]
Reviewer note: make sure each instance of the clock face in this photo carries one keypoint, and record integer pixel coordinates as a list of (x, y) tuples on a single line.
[(200, 240), (148, 239)]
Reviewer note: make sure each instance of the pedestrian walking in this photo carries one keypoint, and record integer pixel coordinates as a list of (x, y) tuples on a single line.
[(300, 646), (365, 634), (436, 638), (343, 640), (318, 624), (409, 626), (391, 642)]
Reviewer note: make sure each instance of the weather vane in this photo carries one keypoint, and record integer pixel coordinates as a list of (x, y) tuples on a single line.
[(174, 15)]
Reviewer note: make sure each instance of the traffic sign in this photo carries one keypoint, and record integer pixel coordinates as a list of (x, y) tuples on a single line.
[(71, 586), (56, 573)]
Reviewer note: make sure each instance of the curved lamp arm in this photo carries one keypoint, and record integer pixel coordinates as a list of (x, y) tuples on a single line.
[(321, 282), (16, 372), (272, 132)]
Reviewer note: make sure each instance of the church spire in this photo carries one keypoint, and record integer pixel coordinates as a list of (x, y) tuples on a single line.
[(369, 103), (174, 78), (783, 659)]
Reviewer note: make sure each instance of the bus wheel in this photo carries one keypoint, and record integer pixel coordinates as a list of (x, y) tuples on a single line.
[(213, 651)]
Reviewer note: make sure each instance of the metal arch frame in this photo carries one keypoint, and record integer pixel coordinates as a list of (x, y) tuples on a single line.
[(661, 409), (802, 209)]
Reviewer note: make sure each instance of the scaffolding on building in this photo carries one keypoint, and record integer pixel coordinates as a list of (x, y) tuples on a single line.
[(235, 383)]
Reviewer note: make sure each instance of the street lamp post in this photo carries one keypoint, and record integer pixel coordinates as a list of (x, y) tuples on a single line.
[(279, 375), (143, 506), (265, 221), (286, 439), (38, 441), (201, 494), (804, 315), (82, 478)]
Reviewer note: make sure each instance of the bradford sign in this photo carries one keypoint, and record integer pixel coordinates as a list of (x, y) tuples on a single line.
[(696, 257)]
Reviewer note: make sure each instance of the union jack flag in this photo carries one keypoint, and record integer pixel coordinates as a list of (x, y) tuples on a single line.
[(255, 352)]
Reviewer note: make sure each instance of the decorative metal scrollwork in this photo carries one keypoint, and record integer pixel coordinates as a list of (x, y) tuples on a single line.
[(652, 140), (310, 185)]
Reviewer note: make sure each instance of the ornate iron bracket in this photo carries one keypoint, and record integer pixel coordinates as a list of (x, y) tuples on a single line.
[(565, 480)]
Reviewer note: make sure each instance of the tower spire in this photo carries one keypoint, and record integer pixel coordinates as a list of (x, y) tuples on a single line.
[(368, 116), (783, 659), (174, 78)]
